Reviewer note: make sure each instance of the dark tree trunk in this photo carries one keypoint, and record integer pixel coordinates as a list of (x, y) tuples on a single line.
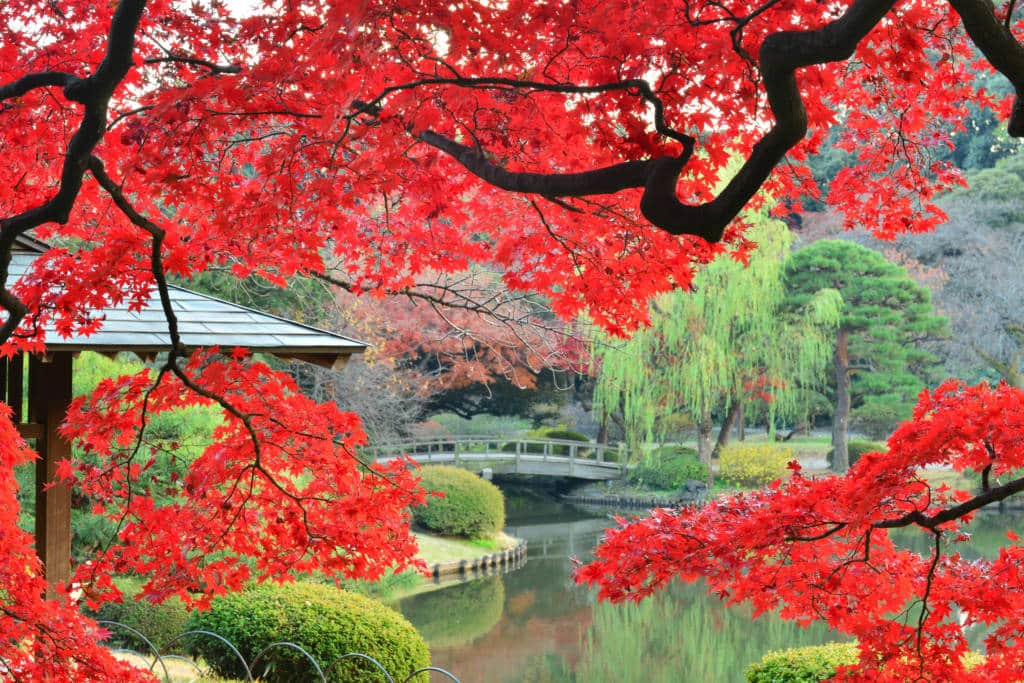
[(726, 430), (704, 447), (602, 431), (741, 423), (841, 418)]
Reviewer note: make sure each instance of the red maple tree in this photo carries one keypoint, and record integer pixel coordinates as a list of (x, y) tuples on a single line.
[(819, 549), (574, 147)]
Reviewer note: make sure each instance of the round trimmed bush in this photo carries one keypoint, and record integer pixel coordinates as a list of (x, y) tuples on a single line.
[(814, 663), (669, 467), (856, 448), (471, 506), (324, 620)]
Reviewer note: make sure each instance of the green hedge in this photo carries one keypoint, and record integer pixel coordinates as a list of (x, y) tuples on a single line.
[(857, 448), (471, 507), (159, 623), (813, 664), (668, 467), (326, 621)]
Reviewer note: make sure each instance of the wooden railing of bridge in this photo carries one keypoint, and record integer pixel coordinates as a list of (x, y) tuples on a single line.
[(510, 455)]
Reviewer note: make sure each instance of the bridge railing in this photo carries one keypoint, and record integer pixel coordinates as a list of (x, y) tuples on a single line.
[(502, 446)]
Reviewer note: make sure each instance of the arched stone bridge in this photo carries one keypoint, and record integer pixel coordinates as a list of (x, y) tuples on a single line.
[(510, 455)]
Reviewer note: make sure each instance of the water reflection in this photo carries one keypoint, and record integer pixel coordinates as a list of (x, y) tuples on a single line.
[(535, 625)]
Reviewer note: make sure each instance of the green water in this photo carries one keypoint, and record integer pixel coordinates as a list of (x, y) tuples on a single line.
[(535, 625)]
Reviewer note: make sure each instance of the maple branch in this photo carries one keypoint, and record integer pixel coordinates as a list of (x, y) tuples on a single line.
[(992, 495), (213, 67), (642, 87), (41, 79), (997, 42), (929, 580), (657, 177), (94, 92), (449, 295), (156, 255), (834, 529), (780, 56), (178, 350)]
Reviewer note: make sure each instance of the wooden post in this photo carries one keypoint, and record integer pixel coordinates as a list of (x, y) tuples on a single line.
[(15, 377), (49, 397)]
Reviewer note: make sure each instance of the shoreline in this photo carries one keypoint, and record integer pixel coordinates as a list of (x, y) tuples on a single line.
[(510, 558)]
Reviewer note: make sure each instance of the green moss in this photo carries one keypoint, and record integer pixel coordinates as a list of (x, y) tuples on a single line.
[(471, 507), (324, 620)]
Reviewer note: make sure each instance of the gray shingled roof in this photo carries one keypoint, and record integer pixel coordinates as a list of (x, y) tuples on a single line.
[(203, 321)]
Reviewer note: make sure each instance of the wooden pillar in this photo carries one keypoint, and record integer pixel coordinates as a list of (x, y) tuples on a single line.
[(49, 396), (15, 377)]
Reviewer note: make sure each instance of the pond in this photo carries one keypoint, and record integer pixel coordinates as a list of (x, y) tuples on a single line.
[(535, 625)]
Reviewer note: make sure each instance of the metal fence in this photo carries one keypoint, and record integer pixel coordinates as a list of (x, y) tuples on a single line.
[(318, 671)]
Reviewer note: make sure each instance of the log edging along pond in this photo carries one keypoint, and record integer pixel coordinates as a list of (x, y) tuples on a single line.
[(511, 558)]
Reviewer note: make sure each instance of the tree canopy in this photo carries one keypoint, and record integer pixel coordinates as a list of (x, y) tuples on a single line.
[(725, 343), (582, 150), (878, 362)]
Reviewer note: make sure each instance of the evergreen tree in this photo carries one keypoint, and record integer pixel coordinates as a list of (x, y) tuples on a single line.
[(877, 364)]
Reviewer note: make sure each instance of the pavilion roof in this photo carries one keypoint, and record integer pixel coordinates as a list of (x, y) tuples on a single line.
[(202, 321)]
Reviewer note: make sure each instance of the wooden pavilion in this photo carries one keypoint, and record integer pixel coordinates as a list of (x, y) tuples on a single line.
[(40, 405)]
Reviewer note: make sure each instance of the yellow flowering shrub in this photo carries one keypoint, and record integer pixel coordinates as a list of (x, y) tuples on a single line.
[(754, 465)]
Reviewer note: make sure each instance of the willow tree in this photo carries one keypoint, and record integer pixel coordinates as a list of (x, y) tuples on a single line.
[(708, 349)]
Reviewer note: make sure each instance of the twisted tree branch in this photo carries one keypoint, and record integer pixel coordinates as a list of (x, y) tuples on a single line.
[(94, 92)]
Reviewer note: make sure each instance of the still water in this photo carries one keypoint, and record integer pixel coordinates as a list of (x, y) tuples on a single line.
[(534, 625)]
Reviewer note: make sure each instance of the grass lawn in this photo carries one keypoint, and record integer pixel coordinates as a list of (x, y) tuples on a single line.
[(435, 549)]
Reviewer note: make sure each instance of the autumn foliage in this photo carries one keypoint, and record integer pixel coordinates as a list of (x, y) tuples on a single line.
[(820, 548), (586, 151)]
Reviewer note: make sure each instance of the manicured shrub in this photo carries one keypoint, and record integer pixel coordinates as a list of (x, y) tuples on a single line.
[(457, 615), (802, 664), (324, 620), (159, 623), (855, 449), (471, 506), (668, 467), (813, 664), (754, 465)]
